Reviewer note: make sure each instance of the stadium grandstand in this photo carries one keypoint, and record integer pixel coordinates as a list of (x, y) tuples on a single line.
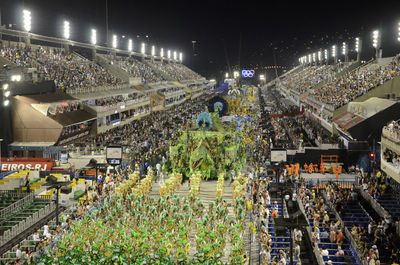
[(115, 156)]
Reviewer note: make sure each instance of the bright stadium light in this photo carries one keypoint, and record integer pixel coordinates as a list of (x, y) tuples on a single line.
[(226, 75), (66, 30), (375, 39), (153, 50), (326, 54), (169, 54), (334, 51), (7, 93), (175, 56), (319, 56), (114, 41), (314, 58), (93, 38), (180, 57), (130, 45), (6, 102), (27, 20), (344, 48), (235, 74), (5, 86), (162, 52), (262, 77), (357, 45), (143, 50), (309, 58), (398, 31)]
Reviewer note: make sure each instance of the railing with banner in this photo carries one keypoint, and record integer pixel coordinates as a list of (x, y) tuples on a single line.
[(86, 90), (27, 223)]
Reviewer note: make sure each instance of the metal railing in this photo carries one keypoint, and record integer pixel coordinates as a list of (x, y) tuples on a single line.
[(317, 254), (25, 224), (18, 204)]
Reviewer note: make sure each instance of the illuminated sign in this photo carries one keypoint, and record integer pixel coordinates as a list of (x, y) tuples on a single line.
[(248, 73)]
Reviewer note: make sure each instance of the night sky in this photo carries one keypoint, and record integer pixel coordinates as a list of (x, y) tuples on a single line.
[(281, 28)]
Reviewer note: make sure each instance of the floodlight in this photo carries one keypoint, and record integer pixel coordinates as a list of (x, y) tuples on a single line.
[(162, 52), (375, 39), (94, 37), (153, 50), (175, 56), (169, 54), (114, 41), (130, 45), (180, 57), (66, 30), (143, 50), (27, 20)]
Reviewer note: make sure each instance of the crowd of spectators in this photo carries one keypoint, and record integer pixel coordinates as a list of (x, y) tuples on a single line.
[(147, 139), (392, 130), (139, 69), (69, 71), (64, 108), (310, 76), (392, 157), (356, 83)]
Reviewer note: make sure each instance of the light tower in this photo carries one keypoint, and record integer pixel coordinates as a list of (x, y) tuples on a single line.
[(27, 24), (93, 40), (319, 57), (376, 42), (334, 53), (345, 52), (326, 56), (358, 46), (66, 35)]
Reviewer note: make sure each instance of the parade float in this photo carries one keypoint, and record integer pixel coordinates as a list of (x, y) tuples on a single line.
[(212, 146)]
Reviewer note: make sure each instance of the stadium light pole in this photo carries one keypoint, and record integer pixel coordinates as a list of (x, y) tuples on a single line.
[(334, 53), (326, 56), (314, 56), (345, 52), (93, 37), (162, 54), (115, 41), (66, 30), (66, 35), (376, 43), (153, 52), (143, 50), (398, 31), (93, 41), (130, 46), (358, 46), (319, 56), (27, 24)]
